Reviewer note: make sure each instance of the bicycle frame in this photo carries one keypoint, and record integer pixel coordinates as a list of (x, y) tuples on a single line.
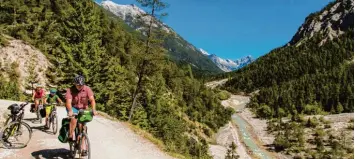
[(79, 134), (17, 118)]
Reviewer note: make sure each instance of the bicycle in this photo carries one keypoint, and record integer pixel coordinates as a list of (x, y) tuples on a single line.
[(39, 109), (13, 128), (53, 118), (82, 136)]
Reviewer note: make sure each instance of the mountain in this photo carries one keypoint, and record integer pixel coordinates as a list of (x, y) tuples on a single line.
[(312, 75), (227, 65), (81, 37), (332, 21), (314, 71), (178, 48), (204, 52)]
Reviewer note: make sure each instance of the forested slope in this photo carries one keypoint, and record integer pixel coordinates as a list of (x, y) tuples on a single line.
[(78, 36)]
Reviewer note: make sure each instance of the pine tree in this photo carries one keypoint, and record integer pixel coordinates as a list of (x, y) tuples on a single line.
[(148, 61), (231, 154)]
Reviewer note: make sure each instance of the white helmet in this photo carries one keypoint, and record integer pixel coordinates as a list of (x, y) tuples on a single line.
[(38, 85)]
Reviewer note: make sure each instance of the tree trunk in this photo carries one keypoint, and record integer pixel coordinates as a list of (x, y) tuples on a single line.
[(137, 90), (141, 71)]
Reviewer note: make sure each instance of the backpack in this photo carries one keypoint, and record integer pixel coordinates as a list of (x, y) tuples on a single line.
[(64, 131), (42, 112), (32, 108), (86, 116)]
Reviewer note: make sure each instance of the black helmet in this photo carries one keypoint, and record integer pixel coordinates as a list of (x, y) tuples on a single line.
[(79, 80), (14, 108)]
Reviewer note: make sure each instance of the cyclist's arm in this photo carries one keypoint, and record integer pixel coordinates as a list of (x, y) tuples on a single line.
[(68, 105), (59, 100), (33, 95), (68, 100), (45, 99), (92, 102)]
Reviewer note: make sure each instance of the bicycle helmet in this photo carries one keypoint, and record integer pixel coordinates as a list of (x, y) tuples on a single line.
[(14, 108), (79, 80), (53, 90), (38, 85)]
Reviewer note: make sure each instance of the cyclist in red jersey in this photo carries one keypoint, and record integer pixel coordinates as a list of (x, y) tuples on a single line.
[(39, 94)]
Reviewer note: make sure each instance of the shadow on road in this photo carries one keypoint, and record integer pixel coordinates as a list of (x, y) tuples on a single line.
[(33, 120), (60, 153), (42, 128)]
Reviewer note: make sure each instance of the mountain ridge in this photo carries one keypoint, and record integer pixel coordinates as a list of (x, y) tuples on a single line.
[(228, 65), (178, 48), (331, 21)]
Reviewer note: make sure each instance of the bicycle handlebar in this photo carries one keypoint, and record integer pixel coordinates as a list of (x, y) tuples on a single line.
[(23, 105), (81, 111)]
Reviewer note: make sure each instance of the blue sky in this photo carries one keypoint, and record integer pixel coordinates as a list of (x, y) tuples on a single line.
[(236, 28)]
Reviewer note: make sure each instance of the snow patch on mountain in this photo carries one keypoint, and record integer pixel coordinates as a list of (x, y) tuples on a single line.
[(132, 14), (204, 52), (228, 65)]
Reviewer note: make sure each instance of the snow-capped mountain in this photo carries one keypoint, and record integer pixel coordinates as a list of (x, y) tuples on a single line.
[(131, 13), (204, 52), (228, 65), (178, 48)]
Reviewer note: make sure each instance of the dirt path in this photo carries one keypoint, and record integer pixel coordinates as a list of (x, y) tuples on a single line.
[(108, 139), (214, 84)]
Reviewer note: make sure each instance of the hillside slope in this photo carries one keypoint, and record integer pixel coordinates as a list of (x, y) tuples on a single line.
[(80, 37), (23, 57), (331, 22), (318, 73), (178, 48)]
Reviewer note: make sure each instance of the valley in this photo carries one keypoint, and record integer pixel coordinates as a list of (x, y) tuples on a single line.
[(159, 96)]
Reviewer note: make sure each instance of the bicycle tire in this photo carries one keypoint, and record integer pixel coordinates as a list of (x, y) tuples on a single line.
[(84, 135), (72, 147), (4, 131), (54, 122), (7, 121)]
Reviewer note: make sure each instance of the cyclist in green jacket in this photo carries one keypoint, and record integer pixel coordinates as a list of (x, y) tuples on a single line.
[(51, 98)]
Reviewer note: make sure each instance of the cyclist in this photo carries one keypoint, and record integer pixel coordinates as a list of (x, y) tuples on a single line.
[(51, 98), (77, 98), (38, 95)]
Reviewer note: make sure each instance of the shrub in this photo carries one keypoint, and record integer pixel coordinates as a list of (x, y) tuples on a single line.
[(312, 123), (327, 126), (312, 109), (351, 126), (281, 143), (223, 95), (264, 112)]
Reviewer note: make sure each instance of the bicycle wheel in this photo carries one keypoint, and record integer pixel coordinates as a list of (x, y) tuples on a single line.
[(54, 123), (84, 142), (73, 149), (7, 120), (16, 135)]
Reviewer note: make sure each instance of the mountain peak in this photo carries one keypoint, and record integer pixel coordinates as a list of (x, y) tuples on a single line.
[(204, 52), (178, 48), (331, 22), (228, 65), (130, 13)]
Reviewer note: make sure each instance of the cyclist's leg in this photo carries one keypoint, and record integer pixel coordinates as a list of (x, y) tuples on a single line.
[(83, 147), (43, 99), (48, 111), (36, 104), (73, 122)]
